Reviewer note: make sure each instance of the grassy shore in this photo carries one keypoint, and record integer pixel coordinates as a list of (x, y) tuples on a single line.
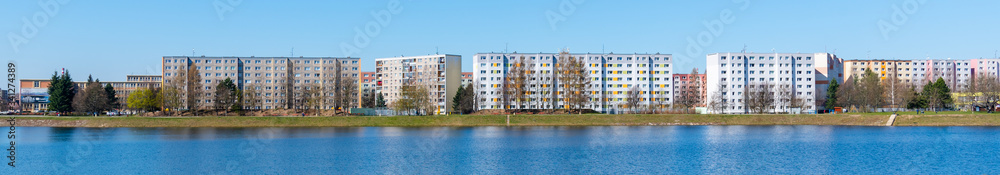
[(869, 119)]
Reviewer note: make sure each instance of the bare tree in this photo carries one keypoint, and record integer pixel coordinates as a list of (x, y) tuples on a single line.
[(172, 93), (690, 95), (872, 91), (312, 98), (517, 86), (348, 89), (759, 97), (986, 91), (897, 92), (574, 80), (633, 99), (193, 87), (718, 102), (849, 96), (251, 98)]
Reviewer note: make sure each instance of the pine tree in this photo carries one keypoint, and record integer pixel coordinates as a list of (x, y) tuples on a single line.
[(831, 94), (112, 100), (61, 92), (455, 101)]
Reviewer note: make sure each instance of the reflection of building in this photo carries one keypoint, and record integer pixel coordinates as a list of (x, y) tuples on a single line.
[(275, 79), (611, 78), (440, 74), (35, 96), (805, 75)]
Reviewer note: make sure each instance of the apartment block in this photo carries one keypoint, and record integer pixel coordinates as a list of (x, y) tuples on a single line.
[(611, 77), (366, 84), (466, 78), (956, 73), (691, 84), (806, 75), (279, 81), (440, 74)]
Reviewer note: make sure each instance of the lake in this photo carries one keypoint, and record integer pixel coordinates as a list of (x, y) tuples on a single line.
[(510, 150)]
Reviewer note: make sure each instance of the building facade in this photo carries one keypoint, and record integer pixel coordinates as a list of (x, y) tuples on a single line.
[(611, 77), (366, 84), (958, 74), (693, 84), (466, 78), (805, 76), (278, 81), (440, 74), (35, 97)]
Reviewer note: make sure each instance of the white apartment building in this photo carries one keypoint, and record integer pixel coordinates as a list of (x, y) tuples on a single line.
[(612, 75), (275, 79), (806, 74), (440, 74)]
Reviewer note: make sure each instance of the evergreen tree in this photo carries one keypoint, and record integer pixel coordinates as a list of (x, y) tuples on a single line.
[(831, 94), (61, 92), (225, 95), (380, 101), (455, 101), (112, 100)]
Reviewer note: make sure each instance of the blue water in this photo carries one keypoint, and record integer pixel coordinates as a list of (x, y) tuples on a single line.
[(514, 150)]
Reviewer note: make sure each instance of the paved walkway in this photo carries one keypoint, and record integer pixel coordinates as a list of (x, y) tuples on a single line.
[(892, 119)]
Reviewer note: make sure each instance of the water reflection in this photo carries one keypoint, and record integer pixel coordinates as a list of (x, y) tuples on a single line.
[(511, 150)]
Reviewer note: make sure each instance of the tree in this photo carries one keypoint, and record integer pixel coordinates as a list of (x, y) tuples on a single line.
[(93, 99), (225, 95), (312, 98), (938, 94), (380, 101), (690, 95), (897, 93), (986, 90), (349, 93), (517, 86), (61, 91), (848, 96), (368, 99), (574, 79), (193, 87), (718, 102), (918, 101), (112, 100), (414, 100), (467, 102), (633, 99), (251, 98), (759, 97), (144, 99), (871, 90), (831, 94), (457, 100)]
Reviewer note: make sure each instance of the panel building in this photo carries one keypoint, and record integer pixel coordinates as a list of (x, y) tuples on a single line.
[(956, 73), (278, 81), (440, 74), (611, 77), (804, 75)]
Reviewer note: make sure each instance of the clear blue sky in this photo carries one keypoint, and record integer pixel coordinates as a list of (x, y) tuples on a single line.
[(112, 38)]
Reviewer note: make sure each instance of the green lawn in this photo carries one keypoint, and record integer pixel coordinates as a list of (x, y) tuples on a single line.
[(861, 119)]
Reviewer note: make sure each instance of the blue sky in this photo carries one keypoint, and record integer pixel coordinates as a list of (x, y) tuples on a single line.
[(112, 38)]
